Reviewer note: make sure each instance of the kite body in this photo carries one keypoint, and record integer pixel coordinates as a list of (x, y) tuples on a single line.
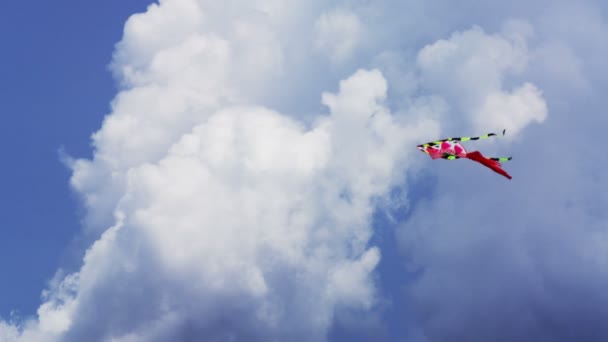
[(447, 148), (452, 148)]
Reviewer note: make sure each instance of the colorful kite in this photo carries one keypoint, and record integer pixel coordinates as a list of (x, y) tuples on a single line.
[(451, 149)]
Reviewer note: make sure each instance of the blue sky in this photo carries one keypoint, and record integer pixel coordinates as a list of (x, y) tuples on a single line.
[(248, 171), (56, 88)]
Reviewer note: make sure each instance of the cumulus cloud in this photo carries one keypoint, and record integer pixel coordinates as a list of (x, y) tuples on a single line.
[(234, 183), (337, 33), (469, 70), (475, 61), (231, 221), (519, 261), (512, 111), (8, 332), (519, 264), (251, 209)]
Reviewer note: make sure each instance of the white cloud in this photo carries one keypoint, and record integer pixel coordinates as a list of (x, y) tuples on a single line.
[(8, 332), (176, 68), (337, 34), (469, 64), (469, 70), (218, 215), (512, 111), (525, 250), (346, 281), (247, 217)]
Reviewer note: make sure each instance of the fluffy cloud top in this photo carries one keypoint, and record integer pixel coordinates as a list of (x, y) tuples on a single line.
[(469, 70)]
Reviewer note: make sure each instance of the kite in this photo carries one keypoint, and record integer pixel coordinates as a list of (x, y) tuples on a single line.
[(451, 148)]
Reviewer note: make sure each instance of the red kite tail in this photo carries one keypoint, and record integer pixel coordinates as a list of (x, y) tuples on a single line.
[(492, 164)]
